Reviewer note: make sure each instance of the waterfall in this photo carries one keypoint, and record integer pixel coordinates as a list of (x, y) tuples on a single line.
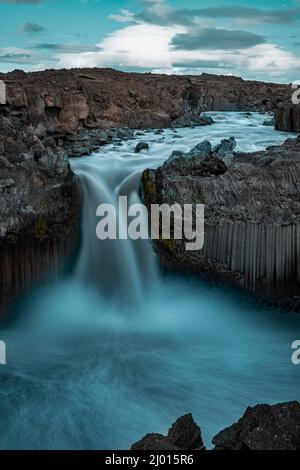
[(126, 269), (120, 269)]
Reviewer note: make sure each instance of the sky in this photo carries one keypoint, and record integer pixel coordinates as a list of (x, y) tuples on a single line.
[(253, 39)]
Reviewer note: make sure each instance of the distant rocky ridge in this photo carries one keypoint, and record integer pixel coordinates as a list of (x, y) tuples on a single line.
[(262, 427), (252, 215), (51, 115)]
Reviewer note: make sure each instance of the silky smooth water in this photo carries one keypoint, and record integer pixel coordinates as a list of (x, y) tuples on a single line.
[(119, 350)]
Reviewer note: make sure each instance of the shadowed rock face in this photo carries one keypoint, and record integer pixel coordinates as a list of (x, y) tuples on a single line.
[(262, 427), (39, 209), (252, 216), (184, 434)]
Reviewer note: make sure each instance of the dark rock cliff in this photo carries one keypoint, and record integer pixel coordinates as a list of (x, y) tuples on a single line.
[(287, 118), (184, 434), (66, 100), (39, 209)]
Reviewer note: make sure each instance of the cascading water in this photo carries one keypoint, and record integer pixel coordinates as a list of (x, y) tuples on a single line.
[(118, 350)]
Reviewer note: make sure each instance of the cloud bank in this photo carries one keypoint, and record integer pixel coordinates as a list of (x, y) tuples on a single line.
[(234, 39)]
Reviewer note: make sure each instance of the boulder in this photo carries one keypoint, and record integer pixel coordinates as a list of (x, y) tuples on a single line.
[(141, 146), (226, 147), (202, 150), (224, 150), (154, 442), (184, 434), (207, 120)]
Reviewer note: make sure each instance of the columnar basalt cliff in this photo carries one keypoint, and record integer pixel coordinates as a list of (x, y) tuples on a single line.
[(48, 116), (39, 209), (252, 215)]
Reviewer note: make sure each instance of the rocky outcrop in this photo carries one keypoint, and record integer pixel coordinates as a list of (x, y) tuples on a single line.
[(262, 427), (252, 215), (87, 141), (39, 208), (141, 146), (184, 434), (287, 118)]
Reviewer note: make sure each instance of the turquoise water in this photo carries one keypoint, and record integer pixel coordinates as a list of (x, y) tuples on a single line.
[(119, 349)]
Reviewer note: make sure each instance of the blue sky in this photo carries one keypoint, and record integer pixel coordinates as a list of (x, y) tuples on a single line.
[(252, 39)]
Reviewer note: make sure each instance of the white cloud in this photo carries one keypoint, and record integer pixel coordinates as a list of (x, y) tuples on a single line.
[(270, 58), (124, 16), (139, 45), (149, 46)]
